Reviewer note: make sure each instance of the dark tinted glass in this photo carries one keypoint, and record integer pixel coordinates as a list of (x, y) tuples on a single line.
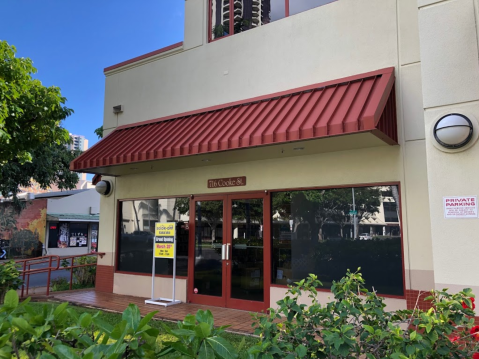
[(208, 243), (247, 277), (137, 228), (297, 6), (220, 18), (313, 232)]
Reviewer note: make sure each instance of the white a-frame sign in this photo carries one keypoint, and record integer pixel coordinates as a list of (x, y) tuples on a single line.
[(164, 246)]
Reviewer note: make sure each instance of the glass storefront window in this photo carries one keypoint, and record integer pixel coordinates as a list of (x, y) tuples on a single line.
[(321, 232), (137, 230)]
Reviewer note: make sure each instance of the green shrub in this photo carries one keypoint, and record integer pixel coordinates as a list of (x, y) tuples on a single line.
[(356, 325), (60, 284), (83, 277), (62, 333), (9, 278), (198, 338)]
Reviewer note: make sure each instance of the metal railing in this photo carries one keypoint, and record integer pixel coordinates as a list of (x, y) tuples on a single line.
[(27, 270)]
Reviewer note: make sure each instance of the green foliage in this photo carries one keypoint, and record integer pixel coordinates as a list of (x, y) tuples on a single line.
[(356, 325), (59, 284), (99, 132), (31, 138), (84, 277), (50, 164), (9, 278), (198, 338), (61, 333), (30, 113)]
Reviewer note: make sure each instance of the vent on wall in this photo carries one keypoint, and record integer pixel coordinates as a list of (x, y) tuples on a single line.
[(118, 109), (94, 210)]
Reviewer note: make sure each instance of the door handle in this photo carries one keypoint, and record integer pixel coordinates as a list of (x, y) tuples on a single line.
[(223, 250), (228, 252)]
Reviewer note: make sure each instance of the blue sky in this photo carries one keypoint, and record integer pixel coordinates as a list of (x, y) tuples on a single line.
[(72, 41)]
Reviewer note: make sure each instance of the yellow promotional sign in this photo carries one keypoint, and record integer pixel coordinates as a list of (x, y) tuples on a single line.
[(165, 240), (165, 229)]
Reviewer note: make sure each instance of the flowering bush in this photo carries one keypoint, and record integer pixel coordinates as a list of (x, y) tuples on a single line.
[(356, 325)]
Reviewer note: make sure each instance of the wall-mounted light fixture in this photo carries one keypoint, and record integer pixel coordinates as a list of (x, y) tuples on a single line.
[(104, 188), (453, 131)]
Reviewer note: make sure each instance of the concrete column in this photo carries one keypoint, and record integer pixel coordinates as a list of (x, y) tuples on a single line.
[(450, 79)]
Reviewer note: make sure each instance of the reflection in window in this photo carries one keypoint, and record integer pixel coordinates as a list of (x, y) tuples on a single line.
[(220, 18), (137, 229), (249, 14), (313, 231), (297, 6)]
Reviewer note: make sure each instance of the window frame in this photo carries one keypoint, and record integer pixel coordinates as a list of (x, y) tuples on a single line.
[(271, 284), (326, 290), (231, 18), (231, 27), (118, 232)]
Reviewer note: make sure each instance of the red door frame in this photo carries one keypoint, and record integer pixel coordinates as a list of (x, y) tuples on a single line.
[(226, 300)]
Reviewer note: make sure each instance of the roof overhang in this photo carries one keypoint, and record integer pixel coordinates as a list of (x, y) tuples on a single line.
[(349, 113)]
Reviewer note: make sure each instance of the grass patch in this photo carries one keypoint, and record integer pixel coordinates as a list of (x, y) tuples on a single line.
[(240, 342)]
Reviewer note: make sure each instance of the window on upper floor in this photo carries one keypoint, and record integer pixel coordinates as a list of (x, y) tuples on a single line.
[(229, 17)]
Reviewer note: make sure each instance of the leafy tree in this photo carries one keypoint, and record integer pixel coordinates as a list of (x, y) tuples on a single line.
[(50, 165), (30, 113), (99, 132), (31, 137)]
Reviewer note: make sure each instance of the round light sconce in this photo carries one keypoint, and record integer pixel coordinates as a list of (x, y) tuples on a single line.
[(104, 188), (453, 131)]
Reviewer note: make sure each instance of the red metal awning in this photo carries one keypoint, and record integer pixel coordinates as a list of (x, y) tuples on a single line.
[(362, 103)]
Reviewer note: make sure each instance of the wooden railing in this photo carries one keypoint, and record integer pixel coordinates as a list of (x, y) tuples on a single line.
[(54, 264)]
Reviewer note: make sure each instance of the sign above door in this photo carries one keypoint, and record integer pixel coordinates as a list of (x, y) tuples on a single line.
[(227, 182)]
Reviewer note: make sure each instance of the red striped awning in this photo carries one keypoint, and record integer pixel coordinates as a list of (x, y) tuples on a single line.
[(362, 103)]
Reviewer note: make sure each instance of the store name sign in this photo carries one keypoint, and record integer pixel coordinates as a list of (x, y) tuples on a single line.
[(227, 182), (460, 207)]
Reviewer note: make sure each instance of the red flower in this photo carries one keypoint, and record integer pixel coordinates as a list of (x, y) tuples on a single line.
[(475, 356), (465, 306), (454, 339), (475, 332)]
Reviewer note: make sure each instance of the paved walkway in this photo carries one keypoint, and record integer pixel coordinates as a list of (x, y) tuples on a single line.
[(239, 320)]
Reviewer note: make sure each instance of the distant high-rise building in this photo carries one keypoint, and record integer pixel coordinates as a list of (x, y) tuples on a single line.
[(78, 143)]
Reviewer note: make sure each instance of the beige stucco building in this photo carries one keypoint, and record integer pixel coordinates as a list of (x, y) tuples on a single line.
[(320, 115)]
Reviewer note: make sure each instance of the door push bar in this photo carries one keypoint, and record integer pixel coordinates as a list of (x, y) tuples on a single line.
[(225, 252)]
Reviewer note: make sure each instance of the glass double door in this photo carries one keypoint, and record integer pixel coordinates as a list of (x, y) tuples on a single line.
[(228, 268)]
